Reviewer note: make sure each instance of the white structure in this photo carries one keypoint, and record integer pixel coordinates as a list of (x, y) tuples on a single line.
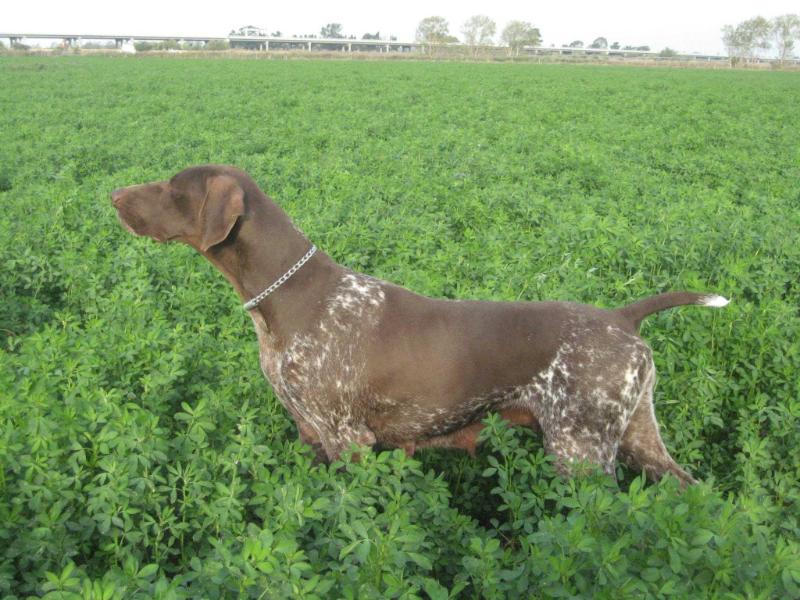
[(252, 31)]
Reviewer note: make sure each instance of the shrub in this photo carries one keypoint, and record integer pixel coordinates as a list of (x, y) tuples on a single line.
[(217, 45)]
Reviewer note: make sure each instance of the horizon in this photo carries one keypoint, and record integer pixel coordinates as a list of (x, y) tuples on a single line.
[(682, 26)]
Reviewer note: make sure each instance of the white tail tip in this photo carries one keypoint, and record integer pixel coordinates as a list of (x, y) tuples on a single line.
[(715, 301)]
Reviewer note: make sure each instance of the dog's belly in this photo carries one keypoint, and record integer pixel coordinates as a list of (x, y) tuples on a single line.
[(397, 423)]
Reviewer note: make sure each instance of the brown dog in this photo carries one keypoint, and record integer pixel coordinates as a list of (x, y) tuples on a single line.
[(356, 359)]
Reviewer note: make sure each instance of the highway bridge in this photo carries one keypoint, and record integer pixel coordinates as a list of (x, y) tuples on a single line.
[(72, 40), (267, 43)]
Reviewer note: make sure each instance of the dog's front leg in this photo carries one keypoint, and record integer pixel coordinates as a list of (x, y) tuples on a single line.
[(342, 434), (309, 436)]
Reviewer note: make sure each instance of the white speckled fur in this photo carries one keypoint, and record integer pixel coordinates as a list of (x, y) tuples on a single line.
[(331, 351)]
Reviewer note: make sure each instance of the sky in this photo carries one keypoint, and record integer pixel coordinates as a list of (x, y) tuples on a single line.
[(684, 25)]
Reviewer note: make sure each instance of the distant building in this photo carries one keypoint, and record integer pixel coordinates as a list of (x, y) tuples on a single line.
[(250, 31)]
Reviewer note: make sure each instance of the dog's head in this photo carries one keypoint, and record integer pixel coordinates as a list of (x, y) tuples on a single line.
[(199, 206)]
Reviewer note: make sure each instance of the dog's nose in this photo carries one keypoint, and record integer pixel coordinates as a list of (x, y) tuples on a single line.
[(116, 196)]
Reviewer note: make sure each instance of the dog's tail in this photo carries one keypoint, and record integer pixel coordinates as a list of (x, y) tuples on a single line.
[(639, 310)]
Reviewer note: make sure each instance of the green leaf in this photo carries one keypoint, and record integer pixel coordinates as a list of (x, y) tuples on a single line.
[(701, 537), (421, 560), (651, 574), (147, 571), (434, 589)]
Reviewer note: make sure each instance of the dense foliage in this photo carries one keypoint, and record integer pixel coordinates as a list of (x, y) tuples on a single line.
[(142, 455)]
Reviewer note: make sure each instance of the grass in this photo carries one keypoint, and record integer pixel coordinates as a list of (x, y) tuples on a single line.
[(142, 455)]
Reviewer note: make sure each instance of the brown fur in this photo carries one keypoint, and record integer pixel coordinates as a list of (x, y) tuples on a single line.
[(356, 359)]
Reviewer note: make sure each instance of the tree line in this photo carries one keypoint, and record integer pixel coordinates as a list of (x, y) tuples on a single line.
[(477, 31), (744, 41)]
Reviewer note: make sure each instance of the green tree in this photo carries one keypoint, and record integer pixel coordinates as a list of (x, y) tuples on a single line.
[(331, 31), (217, 45), (478, 30), (745, 40), (785, 30), (518, 34), (433, 30), (600, 42)]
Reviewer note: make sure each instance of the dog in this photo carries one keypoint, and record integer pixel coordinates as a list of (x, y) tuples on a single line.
[(358, 360)]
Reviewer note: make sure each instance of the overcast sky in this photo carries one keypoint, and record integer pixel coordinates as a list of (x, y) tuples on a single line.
[(685, 25)]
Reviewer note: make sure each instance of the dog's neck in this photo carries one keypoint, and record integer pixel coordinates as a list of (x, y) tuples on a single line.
[(264, 246)]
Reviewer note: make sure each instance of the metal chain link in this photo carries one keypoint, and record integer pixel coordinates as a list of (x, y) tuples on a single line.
[(251, 304)]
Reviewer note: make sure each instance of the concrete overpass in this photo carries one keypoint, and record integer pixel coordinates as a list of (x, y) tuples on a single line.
[(267, 43), (257, 42)]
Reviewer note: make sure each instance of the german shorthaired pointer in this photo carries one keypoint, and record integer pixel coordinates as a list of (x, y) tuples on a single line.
[(357, 359)]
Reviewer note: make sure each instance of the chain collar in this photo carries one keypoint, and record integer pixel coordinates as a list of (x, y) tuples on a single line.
[(251, 304)]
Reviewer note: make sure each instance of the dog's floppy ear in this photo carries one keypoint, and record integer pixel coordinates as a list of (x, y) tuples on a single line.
[(223, 204)]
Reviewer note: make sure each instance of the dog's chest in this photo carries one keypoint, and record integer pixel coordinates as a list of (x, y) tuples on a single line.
[(324, 365)]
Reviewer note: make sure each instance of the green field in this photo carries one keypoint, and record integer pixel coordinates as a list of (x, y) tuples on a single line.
[(142, 454)]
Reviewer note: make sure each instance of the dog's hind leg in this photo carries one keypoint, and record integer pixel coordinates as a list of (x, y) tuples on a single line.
[(570, 447), (577, 434), (584, 415), (642, 447)]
